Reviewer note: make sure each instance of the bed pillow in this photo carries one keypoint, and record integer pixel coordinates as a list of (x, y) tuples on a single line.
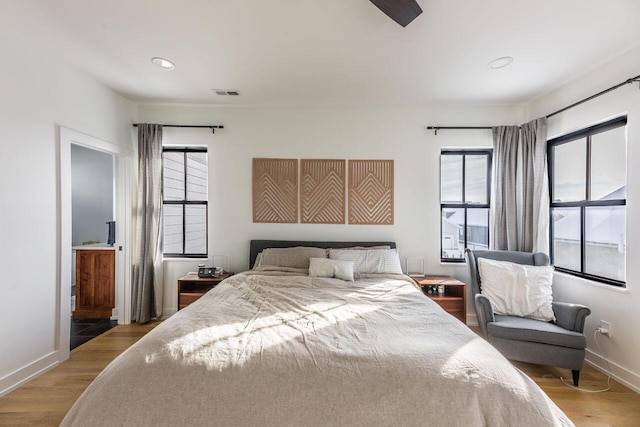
[(297, 257), (518, 290), (359, 248), (324, 267), (369, 260)]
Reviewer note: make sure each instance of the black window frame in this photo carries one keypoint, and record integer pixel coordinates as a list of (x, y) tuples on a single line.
[(185, 203), (464, 205), (585, 133)]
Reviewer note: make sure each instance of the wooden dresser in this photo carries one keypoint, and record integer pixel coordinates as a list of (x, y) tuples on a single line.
[(95, 283)]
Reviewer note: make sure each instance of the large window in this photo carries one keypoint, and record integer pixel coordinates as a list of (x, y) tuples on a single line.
[(588, 182), (185, 179), (465, 182)]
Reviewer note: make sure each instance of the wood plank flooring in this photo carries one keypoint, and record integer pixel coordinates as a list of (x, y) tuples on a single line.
[(45, 400)]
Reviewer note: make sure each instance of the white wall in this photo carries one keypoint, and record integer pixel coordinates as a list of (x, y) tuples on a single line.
[(38, 94), (358, 133), (618, 307), (400, 134), (92, 194)]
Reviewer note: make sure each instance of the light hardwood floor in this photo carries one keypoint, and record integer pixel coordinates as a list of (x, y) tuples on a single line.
[(45, 400)]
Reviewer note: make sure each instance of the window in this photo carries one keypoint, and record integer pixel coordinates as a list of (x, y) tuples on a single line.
[(465, 182), (185, 178), (588, 183)]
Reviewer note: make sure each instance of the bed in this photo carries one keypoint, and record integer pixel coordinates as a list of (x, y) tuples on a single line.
[(276, 346)]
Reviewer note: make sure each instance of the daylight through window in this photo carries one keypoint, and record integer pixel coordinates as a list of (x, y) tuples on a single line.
[(588, 182), (465, 181), (185, 188)]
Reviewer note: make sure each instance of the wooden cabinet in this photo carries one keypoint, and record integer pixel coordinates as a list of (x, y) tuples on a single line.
[(192, 287), (454, 299), (95, 283)]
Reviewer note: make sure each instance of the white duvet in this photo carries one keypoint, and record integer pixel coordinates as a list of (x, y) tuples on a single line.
[(274, 350)]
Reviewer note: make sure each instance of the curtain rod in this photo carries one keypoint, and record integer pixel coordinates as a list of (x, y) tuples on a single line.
[(212, 127), (635, 79)]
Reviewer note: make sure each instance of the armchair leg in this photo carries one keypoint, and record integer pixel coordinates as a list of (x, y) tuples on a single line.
[(576, 377)]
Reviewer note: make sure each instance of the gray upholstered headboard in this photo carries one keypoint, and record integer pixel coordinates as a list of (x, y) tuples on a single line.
[(256, 246)]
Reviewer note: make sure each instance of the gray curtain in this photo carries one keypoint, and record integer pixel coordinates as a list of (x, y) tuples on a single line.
[(535, 186), (504, 190), (520, 188), (147, 252)]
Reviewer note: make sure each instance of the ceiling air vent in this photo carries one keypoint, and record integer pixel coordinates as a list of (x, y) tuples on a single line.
[(224, 92)]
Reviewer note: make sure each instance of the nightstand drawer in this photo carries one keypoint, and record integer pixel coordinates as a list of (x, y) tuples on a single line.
[(449, 304), (192, 287), (186, 299)]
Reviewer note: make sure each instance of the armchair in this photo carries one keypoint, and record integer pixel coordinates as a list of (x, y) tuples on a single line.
[(560, 343)]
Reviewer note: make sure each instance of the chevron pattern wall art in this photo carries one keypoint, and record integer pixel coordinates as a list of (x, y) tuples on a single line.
[(275, 190), (322, 191), (371, 192)]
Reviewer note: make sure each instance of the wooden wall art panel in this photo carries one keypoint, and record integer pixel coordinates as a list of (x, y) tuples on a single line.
[(275, 190), (371, 192), (322, 191)]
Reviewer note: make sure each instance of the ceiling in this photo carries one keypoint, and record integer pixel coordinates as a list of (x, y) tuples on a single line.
[(327, 52)]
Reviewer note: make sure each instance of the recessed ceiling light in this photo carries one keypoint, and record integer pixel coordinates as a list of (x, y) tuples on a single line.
[(165, 64), (500, 62)]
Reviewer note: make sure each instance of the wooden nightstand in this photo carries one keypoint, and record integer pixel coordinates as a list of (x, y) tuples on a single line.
[(191, 287), (454, 300)]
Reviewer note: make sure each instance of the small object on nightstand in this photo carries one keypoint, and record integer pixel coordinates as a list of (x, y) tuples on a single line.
[(415, 267)]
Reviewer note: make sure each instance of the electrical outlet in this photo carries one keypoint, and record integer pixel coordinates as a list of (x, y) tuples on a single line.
[(605, 328)]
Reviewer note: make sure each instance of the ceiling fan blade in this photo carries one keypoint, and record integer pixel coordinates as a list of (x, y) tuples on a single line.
[(401, 11)]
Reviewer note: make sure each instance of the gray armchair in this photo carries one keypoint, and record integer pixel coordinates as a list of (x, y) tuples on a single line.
[(561, 344)]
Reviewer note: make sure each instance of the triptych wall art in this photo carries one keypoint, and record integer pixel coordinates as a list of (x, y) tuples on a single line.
[(322, 191)]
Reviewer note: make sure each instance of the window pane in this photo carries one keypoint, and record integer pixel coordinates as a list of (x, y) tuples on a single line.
[(475, 179), (569, 171), (451, 178), (195, 229), (609, 165), (452, 233), (172, 218), (566, 238), (197, 173), (478, 229), (606, 241), (173, 176)]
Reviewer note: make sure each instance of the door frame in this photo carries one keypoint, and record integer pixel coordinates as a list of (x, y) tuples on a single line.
[(123, 164)]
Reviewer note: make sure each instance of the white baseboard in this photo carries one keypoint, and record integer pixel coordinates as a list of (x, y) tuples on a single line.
[(472, 319), (617, 372), (27, 373), (168, 312)]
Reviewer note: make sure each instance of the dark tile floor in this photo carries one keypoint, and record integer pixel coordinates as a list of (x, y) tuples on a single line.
[(82, 330)]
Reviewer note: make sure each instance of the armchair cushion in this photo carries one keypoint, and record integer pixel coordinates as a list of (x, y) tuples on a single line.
[(523, 329), (518, 290)]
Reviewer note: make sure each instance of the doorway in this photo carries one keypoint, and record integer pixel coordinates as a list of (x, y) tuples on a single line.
[(68, 140), (93, 210)]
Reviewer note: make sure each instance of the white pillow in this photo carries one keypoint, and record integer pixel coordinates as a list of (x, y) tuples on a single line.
[(323, 267), (516, 289), (296, 257), (370, 260)]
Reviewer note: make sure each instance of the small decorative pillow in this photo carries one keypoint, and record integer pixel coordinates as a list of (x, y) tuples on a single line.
[(297, 257), (370, 260), (323, 267), (518, 290)]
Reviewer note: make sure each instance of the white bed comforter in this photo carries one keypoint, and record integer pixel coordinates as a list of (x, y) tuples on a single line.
[(266, 350)]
